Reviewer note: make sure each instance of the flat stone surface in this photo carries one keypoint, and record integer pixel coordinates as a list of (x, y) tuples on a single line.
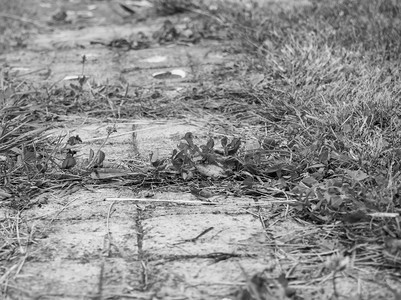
[(63, 279), (86, 247), (203, 278), (166, 235)]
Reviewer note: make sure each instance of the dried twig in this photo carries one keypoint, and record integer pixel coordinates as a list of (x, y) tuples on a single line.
[(159, 200), (197, 237), (251, 204), (109, 237), (23, 20)]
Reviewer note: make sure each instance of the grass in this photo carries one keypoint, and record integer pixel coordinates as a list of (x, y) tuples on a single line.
[(330, 89), (326, 112), (324, 108)]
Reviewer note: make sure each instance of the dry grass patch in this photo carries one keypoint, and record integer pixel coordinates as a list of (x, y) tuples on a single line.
[(324, 105), (318, 91)]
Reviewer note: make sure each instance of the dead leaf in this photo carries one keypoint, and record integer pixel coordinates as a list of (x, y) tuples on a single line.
[(156, 161), (256, 79), (29, 156), (91, 154), (100, 158), (335, 201), (183, 146), (187, 174), (73, 140), (248, 182), (224, 141), (355, 217), (189, 138), (392, 245), (107, 173), (42, 167), (210, 144), (69, 161), (309, 181), (201, 193), (4, 194), (233, 147), (211, 171), (358, 175), (173, 74), (324, 156)]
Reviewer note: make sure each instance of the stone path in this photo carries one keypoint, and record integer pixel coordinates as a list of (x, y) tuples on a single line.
[(86, 247)]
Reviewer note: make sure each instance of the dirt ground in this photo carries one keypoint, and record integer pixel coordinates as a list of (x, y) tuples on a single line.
[(95, 242)]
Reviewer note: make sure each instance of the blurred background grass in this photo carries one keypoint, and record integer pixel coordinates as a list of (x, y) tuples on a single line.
[(15, 27)]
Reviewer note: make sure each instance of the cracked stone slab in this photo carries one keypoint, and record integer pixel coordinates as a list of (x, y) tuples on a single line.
[(122, 276), (230, 234), (198, 278), (131, 138), (49, 279), (106, 66)]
